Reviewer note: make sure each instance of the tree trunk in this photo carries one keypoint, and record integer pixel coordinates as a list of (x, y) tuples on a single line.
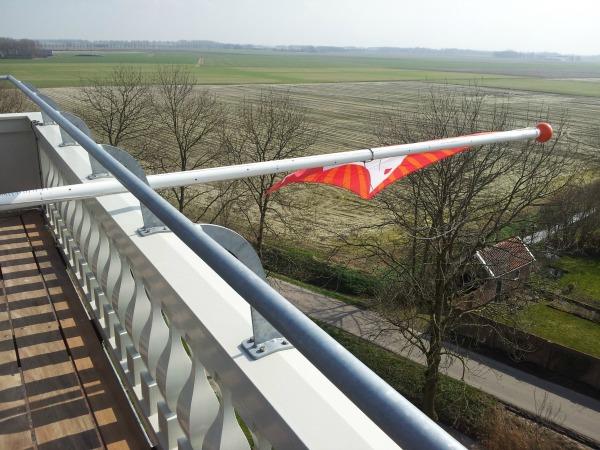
[(432, 377), (181, 199), (261, 230), (433, 361)]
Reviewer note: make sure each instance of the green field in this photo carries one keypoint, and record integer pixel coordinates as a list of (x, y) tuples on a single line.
[(562, 328), (75, 68), (554, 86), (583, 274)]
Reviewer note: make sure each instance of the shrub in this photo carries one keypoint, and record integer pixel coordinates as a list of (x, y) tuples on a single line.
[(304, 266), (507, 431)]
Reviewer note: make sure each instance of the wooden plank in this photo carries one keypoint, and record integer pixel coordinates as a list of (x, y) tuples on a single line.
[(117, 424), (15, 429), (59, 413), (15, 425)]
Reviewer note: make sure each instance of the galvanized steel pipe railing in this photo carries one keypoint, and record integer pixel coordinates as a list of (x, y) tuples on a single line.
[(397, 417)]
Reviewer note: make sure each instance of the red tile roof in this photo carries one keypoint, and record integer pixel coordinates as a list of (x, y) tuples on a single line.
[(505, 256)]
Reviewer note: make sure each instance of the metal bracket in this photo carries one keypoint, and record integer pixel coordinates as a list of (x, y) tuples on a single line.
[(30, 86), (67, 140), (45, 117), (266, 339), (152, 224), (98, 170)]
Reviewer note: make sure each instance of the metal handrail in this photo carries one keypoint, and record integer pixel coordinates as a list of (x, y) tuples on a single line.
[(403, 422)]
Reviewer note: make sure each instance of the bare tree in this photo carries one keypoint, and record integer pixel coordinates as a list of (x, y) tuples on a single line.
[(433, 222), (118, 108), (272, 127), (191, 120), (571, 218), (18, 48), (11, 100), (228, 203)]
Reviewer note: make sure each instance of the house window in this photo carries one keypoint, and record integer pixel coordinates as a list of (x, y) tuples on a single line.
[(516, 274), (498, 286)]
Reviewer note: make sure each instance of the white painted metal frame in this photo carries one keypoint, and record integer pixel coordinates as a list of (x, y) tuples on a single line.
[(146, 294)]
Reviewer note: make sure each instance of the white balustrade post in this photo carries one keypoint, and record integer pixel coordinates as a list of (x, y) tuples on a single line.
[(155, 334), (122, 295), (91, 245), (73, 226), (109, 277), (100, 261), (172, 372), (136, 316), (225, 432), (153, 339), (198, 407), (82, 234)]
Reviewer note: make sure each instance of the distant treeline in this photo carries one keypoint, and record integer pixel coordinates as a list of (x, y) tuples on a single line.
[(21, 48), (544, 55), (79, 44)]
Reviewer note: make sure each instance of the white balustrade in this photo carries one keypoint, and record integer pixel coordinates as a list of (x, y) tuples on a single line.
[(173, 328)]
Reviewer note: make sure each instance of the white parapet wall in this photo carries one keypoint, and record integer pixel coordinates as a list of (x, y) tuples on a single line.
[(152, 297), (19, 168)]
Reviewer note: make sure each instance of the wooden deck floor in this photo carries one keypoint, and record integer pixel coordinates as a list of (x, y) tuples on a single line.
[(57, 389)]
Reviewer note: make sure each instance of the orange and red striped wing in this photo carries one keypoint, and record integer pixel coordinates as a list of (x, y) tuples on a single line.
[(411, 164), (356, 177), (353, 177)]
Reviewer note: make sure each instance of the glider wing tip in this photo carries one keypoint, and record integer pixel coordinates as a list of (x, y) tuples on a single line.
[(545, 131)]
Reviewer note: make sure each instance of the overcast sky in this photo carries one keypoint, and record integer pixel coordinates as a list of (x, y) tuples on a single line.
[(571, 26)]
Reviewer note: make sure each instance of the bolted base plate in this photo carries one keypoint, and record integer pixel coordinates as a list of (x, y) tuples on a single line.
[(257, 351), (151, 230), (95, 176)]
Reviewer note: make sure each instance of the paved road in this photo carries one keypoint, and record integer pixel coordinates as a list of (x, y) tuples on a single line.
[(542, 235), (572, 410)]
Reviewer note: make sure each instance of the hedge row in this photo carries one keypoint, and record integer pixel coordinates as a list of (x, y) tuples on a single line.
[(304, 266)]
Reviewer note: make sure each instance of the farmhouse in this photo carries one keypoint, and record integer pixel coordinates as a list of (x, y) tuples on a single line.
[(507, 265)]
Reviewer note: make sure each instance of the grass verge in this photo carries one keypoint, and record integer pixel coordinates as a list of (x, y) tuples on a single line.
[(562, 328), (583, 274)]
